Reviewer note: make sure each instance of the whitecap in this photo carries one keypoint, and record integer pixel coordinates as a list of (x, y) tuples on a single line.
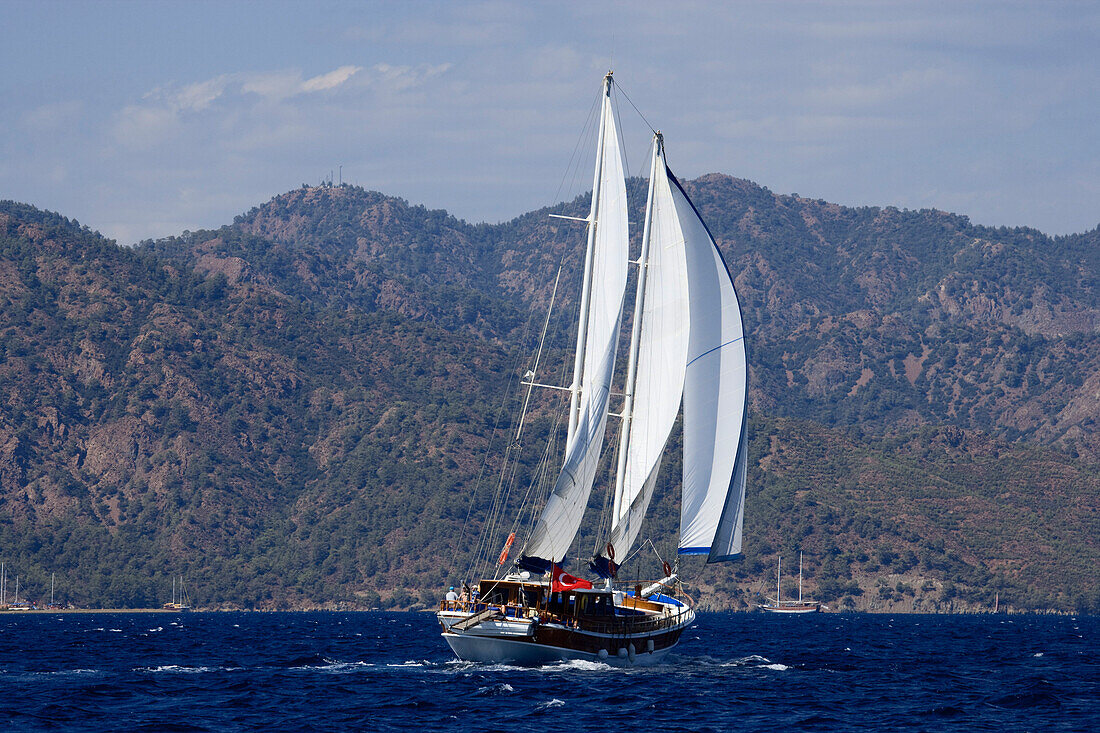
[(117, 631), (180, 669), (578, 664), (495, 689), (755, 659), (1037, 654), (552, 703), (498, 667), (339, 666), (159, 628), (777, 667)]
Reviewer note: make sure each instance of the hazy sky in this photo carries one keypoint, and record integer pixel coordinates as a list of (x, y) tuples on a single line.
[(145, 119)]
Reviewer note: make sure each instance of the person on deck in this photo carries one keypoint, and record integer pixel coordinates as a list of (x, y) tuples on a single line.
[(451, 595)]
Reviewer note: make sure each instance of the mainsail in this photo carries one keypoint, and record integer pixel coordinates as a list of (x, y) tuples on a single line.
[(597, 340)]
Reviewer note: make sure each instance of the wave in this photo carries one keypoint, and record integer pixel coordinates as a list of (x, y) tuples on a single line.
[(51, 673), (184, 669), (581, 665), (317, 663), (340, 667), (497, 689)]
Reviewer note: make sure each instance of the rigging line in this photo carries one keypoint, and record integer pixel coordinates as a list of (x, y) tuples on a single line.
[(484, 469), (540, 478), (538, 354), (603, 529), (577, 147), (541, 469), (627, 96), (641, 547), (505, 482), (541, 483), (655, 552), (508, 396), (619, 134), (499, 498)]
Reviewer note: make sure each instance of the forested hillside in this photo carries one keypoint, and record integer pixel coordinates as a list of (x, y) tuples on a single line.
[(293, 410)]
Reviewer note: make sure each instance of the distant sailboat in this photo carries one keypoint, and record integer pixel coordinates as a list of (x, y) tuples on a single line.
[(180, 602), (686, 351), (781, 606)]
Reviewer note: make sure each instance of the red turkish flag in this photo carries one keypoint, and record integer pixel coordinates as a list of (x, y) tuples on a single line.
[(561, 580)]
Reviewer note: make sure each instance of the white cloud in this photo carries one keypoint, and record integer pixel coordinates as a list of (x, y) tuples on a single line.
[(279, 85), (283, 85), (399, 78), (142, 127), (331, 80), (197, 97), (164, 110)]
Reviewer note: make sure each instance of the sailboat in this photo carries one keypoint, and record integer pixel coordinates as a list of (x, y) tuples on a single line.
[(686, 351), (180, 602), (781, 606)]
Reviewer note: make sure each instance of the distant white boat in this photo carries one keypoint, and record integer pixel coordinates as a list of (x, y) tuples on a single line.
[(180, 602), (781, 606)]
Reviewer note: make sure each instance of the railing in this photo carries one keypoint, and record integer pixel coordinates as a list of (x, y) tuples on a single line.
[(508, 610), (613, 626), (633, 625)]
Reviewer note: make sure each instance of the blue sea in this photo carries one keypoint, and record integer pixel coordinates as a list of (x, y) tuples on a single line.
[(392, 671)]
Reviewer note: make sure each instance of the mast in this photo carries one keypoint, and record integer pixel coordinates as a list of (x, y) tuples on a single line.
[(778, 574), (635, 332), (800, 576), (586, 289), (51, 587)]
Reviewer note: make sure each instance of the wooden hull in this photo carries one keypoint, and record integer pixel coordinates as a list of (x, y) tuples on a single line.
[(789, 609), (522, 641)]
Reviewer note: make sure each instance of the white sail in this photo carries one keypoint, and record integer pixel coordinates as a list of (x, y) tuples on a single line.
[(602, 302), (712, 506), (658, 358)]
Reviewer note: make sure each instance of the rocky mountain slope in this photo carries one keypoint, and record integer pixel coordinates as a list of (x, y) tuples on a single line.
[(292, 410)]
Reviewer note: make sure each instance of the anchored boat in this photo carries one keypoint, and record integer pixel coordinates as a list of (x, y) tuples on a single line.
[(781, 606), (686, 351)]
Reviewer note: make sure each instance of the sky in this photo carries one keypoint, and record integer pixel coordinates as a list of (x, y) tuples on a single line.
[(145, 119)]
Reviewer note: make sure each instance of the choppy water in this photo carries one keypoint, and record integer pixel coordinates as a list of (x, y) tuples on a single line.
[(392, 671)]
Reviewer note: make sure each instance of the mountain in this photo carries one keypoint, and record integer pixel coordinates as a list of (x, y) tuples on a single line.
[(301, 408)]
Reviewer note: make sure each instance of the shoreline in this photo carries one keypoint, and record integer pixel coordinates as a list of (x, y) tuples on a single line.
[(876, 612), (13, 611)]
